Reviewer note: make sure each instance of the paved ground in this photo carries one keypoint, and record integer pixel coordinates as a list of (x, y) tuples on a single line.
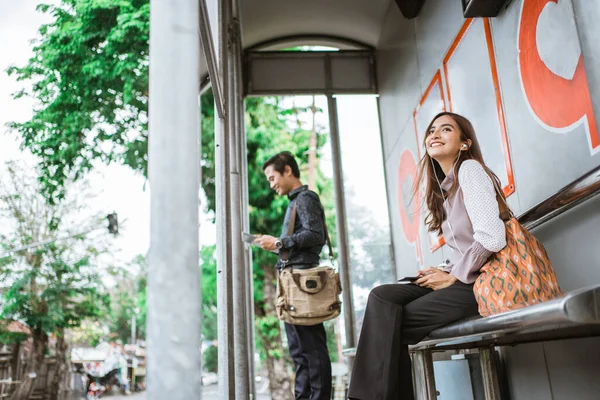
[(208, 392), (135, 396)]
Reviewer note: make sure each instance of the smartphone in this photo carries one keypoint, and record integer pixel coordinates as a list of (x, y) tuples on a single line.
[(408, 279), (248, 238)]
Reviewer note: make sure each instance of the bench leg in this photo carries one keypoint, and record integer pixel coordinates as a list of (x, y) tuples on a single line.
[(423, 373), (489, 370)]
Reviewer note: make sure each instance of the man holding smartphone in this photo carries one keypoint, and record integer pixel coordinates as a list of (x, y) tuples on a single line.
[(302, 247)]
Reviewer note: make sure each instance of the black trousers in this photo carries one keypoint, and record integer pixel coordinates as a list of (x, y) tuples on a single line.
[(396, 316), (308, 348)]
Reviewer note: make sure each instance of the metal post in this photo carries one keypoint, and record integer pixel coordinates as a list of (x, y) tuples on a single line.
[(234, 111), (250, 304), (223, 205), (174, 299), (423, 375), (224, 266), (489, 371), (248, 256), (208, 47), (340, 214)]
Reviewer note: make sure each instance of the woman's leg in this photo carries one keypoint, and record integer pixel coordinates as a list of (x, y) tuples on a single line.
[(380, 355), (437, 309), (421, 316)]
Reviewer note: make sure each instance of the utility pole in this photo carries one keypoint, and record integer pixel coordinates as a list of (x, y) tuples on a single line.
[(312, 149)]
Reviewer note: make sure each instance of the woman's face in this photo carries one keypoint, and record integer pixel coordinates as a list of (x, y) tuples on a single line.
[(443, 139)]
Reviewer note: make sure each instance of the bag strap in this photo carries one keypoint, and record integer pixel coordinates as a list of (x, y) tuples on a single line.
[(285, 254), (505, 211)]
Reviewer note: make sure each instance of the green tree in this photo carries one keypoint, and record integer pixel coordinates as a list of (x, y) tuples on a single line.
[(128, 301), (89, 75), (128, 298), (90, 78), (50, 288), (208, 262)]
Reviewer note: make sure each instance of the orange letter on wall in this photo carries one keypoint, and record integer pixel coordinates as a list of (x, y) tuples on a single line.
[(410, 224), (555, 82)]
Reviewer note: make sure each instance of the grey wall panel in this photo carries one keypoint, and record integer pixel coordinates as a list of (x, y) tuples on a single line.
[(408, 89), (398, 74), (404, 252), (573, 368), (387, 61), (560, 370), (350, 73), (287, 72), (526, 372), (400, 200), (268, 75), (471, 63), (437, 25), (572, 244), (587, 14), (536, 150)]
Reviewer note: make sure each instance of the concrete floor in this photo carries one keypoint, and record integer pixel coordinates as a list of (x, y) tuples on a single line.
[(208, 393)]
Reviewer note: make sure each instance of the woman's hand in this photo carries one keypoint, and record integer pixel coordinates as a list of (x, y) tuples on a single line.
[(435, 279)]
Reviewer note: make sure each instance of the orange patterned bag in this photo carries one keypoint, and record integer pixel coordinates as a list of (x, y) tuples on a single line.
[(517, 276)]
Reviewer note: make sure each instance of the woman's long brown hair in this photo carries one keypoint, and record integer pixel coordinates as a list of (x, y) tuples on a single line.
[(430, 168)]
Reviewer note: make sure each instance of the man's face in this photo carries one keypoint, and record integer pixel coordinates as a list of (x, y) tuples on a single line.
[(279, 182)]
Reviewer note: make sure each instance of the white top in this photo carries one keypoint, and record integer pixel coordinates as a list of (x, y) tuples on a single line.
[(480, 200), (473, 228)]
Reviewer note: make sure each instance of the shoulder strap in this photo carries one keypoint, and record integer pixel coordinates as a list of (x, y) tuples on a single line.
[(285, 254), (292, 223), (505, 211), (327, 239)]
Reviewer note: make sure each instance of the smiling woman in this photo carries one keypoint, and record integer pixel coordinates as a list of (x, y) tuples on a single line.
[(450, 140), (461, 197)]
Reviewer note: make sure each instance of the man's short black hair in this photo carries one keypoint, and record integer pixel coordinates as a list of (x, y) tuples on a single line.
[(280, 160)]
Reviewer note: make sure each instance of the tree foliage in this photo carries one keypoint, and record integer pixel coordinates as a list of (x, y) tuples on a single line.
[(208, 262), (89, 78), (128, 301), (54, 286)]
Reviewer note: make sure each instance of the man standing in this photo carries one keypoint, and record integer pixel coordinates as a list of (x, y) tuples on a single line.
[(307, 344)]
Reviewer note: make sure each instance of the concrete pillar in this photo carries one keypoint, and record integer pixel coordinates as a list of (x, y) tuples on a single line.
[(174, 298)]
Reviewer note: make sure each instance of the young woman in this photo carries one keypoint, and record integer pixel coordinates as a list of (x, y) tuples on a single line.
[(462, 204)]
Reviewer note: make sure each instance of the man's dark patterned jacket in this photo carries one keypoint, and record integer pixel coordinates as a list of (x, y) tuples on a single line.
[(308, 237)]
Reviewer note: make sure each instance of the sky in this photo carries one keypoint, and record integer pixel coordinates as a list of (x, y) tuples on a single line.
[(121, 190)]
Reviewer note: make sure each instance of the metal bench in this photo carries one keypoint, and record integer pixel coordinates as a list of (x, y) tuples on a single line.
[(575, 315)]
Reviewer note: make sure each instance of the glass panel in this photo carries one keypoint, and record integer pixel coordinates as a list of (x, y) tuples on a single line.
[(365, 198)]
